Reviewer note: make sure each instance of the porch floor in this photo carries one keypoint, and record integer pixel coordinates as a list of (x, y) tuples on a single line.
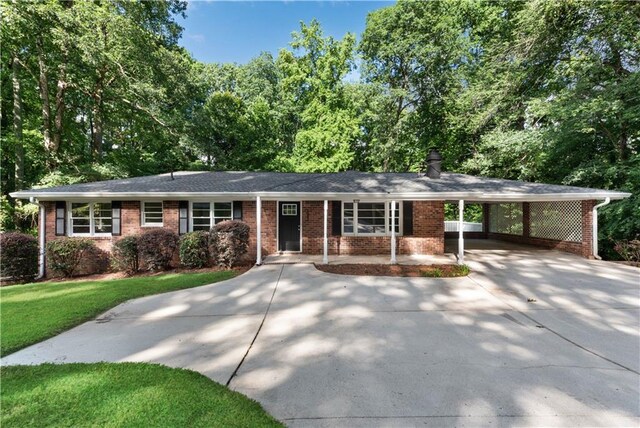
[(378, 259), (449, 257)]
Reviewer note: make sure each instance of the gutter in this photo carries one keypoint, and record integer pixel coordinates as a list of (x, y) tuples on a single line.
[(424, 196), (594, 221), (41, 238)]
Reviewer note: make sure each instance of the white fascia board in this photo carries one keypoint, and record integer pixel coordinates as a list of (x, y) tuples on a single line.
[(469, 196)]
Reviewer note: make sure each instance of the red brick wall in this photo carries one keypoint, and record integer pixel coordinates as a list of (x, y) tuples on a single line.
[(268, 222), (584, 248)]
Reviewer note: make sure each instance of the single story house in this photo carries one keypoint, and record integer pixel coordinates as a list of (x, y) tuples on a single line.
[(353, 213)]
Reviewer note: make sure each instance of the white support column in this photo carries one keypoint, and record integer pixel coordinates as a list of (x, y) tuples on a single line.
[(258, 230), (325, 244), (461, 232), (393, 232)]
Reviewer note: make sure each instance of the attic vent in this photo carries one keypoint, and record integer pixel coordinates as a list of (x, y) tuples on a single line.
[(434, 164)]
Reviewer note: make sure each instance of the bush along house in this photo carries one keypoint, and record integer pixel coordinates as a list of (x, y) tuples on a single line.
[(342, 213)]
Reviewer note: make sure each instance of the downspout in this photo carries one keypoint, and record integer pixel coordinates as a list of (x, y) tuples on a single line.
[(594, 221), (41, 237)]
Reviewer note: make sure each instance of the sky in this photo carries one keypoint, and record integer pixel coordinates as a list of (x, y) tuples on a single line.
[(234, 31)]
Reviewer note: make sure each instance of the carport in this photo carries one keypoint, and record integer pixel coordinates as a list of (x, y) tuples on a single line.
[(559, 222)]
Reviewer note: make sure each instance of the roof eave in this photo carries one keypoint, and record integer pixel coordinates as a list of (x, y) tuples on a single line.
[(435, 196)]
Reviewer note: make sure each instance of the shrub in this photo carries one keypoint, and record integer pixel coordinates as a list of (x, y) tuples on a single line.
[(76, 256), (628, 250), (19, 256), (228, 242), (156, 248), (194, 251), (125, 255)]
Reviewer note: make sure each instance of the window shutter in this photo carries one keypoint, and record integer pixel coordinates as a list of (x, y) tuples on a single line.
[(61, 216), (336, 218), (183, 217), (407, 218), (237, 210), (116, 215)]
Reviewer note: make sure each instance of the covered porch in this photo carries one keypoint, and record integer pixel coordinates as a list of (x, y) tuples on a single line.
[(471, 246)]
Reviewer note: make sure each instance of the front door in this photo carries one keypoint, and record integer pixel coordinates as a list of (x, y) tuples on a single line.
[(288, 226)]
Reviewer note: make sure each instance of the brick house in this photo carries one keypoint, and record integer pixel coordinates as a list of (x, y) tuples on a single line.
[(345, 213)]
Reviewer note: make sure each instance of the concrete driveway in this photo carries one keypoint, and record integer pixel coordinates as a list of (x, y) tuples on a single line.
[(361, 351)]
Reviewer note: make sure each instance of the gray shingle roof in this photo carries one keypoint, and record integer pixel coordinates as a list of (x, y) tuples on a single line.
[(272, 184)]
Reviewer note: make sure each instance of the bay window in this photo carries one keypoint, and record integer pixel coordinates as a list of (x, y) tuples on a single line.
[(205, 215), (369, 218), (90, 218)]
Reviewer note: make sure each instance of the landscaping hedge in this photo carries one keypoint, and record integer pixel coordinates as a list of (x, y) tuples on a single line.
[(70, 257), (157, 247), (194, 251), (125, 255), (228, 242), (19, 258)]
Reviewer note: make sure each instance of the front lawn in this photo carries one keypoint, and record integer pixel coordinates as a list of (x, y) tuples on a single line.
[(122, 394), (34, 312)]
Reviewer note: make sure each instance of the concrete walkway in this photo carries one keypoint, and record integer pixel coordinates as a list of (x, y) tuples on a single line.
[(361, 351)]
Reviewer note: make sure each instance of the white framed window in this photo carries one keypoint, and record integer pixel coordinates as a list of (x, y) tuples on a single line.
[(370, 218), (151, 214), (290, 209), (204, 215), (90, 219)]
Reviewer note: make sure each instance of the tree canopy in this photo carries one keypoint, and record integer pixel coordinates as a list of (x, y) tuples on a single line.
[(536, 90)]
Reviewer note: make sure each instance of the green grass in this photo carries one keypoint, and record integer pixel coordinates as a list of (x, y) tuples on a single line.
[(31, 313), (122, 395)]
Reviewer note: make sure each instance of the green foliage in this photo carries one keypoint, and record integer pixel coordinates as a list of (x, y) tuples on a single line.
[(228, 242), (156, 248), (194, 249), (70, 257), (472, 212), (19, 260), (124, 254), (628, 250)]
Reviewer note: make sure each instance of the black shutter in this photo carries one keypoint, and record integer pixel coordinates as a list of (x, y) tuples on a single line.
[(183, 217), (116, 215), (61, 216), (407, 218), (336, 218), (237, 210)]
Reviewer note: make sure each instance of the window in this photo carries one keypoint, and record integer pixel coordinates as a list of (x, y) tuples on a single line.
[(90, 218), (152, 214), (202, 214), (289, 209), (369, 218)]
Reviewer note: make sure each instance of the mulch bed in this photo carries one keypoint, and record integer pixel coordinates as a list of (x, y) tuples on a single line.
[(444, 271)]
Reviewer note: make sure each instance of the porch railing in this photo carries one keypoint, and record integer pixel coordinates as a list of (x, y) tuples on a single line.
[(452, 226)]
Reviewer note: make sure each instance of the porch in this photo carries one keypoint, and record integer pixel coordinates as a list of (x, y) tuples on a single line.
[(449, 257)]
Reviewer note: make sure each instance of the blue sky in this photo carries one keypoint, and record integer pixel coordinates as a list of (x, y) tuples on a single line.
[(233, 31)]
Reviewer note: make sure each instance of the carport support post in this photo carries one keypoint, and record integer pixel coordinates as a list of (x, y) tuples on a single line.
[(461, 232), (325, 244), (393, 232), (258, 231)]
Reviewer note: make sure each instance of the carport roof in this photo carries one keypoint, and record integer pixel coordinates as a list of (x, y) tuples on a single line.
[(349, 184)]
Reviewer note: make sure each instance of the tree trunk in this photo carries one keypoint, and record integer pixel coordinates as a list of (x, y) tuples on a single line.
[(96, 140), (17, 126), (60, 105), (43, 85)]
